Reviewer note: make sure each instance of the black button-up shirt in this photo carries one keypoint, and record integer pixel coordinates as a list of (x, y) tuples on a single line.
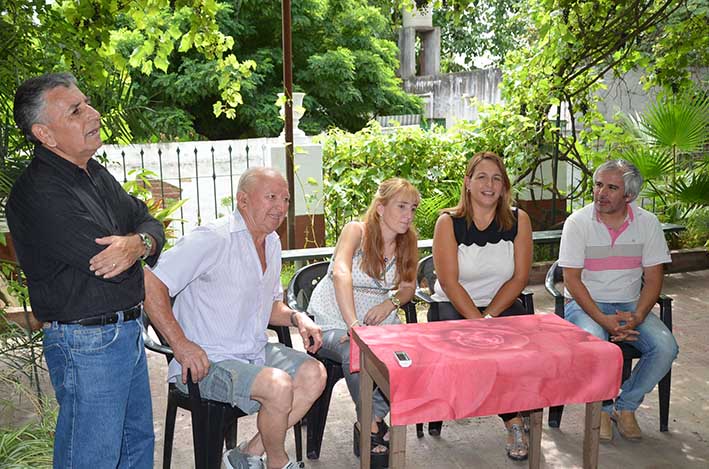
[(55, 212)]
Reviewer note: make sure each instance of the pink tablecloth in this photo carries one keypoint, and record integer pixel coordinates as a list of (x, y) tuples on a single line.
[(472, 368)]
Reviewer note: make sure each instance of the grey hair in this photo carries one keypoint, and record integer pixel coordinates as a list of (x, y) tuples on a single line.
[(251, 176), (30, 102), (632, 179)]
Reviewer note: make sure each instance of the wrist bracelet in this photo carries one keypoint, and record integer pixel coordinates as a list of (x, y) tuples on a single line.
[(292, 318), (356, 321)]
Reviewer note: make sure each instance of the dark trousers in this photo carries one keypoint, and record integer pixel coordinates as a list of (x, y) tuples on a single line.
[(445, 311)]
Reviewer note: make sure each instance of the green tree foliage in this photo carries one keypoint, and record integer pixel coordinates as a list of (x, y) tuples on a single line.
[(343, 58), (572, 48), (569, 50), (489, 29), (105, 42)]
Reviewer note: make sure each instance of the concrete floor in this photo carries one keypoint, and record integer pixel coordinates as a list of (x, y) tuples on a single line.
[(479, 442)]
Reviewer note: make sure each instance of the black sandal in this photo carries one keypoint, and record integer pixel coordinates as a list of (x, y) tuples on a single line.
[(377, 459), (434, 428)]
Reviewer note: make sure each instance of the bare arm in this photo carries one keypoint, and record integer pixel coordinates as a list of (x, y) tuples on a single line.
[(445, 260), (511, 289), (349, 241), (157, 305)]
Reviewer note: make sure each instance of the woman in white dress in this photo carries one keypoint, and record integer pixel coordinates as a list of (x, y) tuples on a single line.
[(372, 273)]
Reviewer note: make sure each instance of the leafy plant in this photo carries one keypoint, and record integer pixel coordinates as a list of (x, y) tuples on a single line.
[(355, 164), (30, 445), (160, 209), (430, 207), (669, 140)]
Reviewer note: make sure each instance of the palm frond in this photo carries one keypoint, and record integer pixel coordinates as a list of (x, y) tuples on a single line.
[(429, 208), (653, 163), (679, 122), (692, 191)]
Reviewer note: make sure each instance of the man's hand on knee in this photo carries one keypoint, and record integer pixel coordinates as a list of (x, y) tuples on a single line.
[(192, 357)]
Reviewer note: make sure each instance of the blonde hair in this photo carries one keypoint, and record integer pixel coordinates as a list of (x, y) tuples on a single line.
[(503, 211), (373, 244)]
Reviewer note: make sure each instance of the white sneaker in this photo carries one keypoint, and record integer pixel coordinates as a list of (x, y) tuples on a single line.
[(236, 459)]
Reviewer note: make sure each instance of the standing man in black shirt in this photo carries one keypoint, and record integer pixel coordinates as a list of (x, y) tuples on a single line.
[(79, 239)]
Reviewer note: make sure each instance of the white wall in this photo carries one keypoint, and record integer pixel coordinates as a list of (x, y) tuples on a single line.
[(215, 175)]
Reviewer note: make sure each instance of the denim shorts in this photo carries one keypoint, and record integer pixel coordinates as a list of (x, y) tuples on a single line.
[(231, 381)]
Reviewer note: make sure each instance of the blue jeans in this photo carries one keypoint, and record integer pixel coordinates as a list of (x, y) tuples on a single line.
[(340, 352), (656, 344), (100, 378)]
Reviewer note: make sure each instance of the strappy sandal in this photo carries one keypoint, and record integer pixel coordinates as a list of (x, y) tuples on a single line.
[(518, 449), (377, 458)]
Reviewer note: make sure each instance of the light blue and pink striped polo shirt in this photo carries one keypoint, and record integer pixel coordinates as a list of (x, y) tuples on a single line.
[(612, 260)]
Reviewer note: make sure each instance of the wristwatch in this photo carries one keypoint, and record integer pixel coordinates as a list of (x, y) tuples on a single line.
[(147, 243)]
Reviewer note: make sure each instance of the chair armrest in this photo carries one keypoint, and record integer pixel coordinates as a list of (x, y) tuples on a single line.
[(551, 287), (283, 334), (527, 299), (151, 344), (665, 303)]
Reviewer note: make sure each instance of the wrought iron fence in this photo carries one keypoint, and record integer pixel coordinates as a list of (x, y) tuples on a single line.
[(203, 173)]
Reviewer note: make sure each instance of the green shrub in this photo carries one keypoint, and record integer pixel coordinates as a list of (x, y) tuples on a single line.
[(354, 165)]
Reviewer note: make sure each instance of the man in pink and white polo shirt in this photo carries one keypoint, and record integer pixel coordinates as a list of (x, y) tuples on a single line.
[(612, 253)]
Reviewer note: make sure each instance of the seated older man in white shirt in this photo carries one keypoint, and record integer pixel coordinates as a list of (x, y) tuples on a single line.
[(226, 280)]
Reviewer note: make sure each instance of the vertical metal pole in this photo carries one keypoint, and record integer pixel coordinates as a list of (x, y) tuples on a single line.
[(231, 180), (288, 90), (196, 180), (555, 166), (214, 186), (123, 158), (179, 185), (162, 181)]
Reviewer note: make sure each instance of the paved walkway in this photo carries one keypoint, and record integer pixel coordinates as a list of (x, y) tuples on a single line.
[(479, 442)]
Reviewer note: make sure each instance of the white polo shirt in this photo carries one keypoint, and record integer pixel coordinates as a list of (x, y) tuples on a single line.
[(612, 261), (224, 301)]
